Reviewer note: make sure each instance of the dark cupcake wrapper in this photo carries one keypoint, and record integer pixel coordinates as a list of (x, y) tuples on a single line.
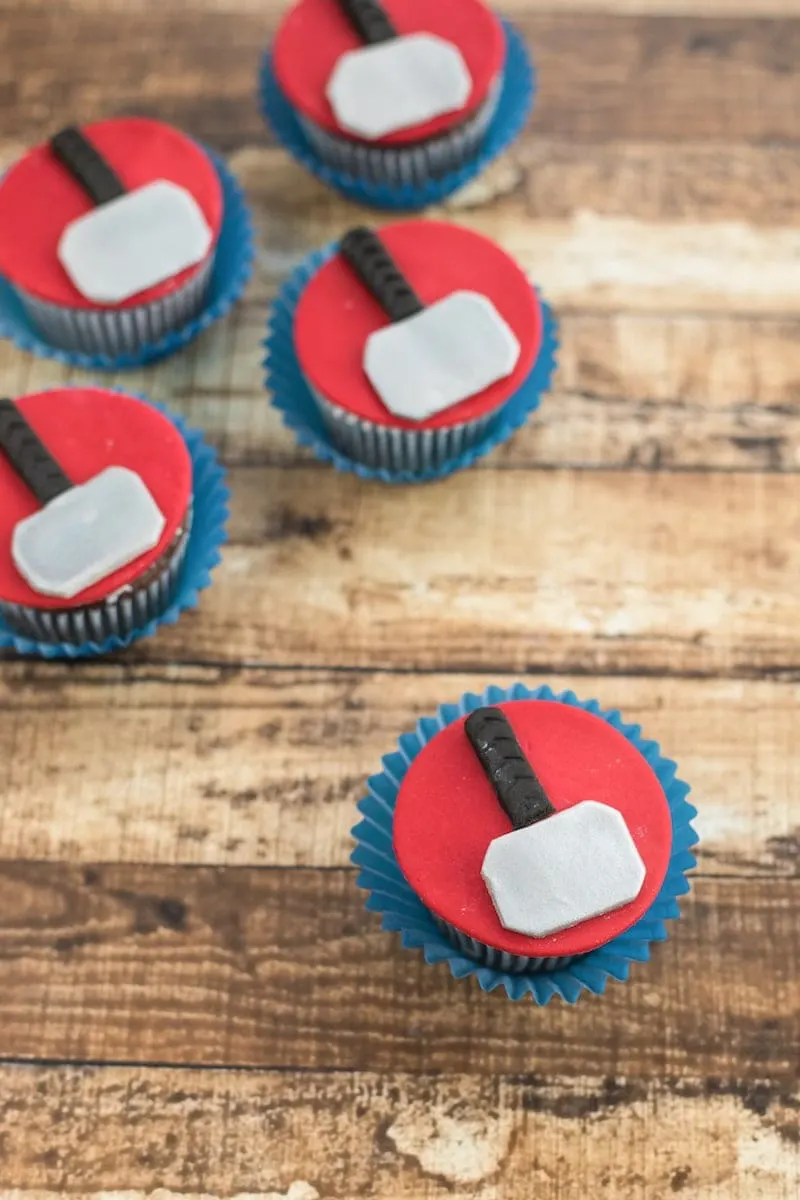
[(139, 613), (114, 332), (373, 451), (227, 278), (116, 617), (499, 960), (518, 87), (409, 451), (541, 979), (410, 165)]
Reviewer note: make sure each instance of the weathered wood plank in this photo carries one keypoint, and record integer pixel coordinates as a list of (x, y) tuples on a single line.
[(301, 1136), (265, 767), (648, 180), (632, 391), (672, 77), (548, 178), (286, 969), (602, 263), (539, 572), (697, 229)]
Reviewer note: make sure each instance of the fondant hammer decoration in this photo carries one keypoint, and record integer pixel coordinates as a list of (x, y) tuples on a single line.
[(130, 241), (392, 82), (82, 533), (430, 357), (557, 868)]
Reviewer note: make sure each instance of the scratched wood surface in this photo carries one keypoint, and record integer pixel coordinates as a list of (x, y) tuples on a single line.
[(194, 1002)]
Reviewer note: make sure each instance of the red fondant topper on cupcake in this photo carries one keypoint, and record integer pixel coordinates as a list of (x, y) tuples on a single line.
[(394, 82), (82, 533), (556, 869), (533, 829), (390, 73), (431, 357), (109, 239), (413, 345), (133, 240)]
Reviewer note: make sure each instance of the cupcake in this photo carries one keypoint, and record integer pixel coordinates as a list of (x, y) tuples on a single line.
[(108, 234), (111, 515), (410, 351), (527, 838), (395, 95)]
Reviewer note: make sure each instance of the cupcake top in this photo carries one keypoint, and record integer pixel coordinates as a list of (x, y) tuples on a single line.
[(45, 226), (567, 865), (358, 97), (56, 535), (341, 328)]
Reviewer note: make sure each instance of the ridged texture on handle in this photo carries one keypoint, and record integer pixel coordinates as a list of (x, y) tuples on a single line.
[(75, 152), (380, 274), (508, 770), (29, 457), (370, 20)]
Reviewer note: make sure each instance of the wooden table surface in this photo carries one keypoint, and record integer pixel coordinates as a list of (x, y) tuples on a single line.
[(193, 1000)]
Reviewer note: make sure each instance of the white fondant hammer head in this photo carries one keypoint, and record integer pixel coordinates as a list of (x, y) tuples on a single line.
[(572, 866), (380, 89), (442, 355), (134, 242), (87, 533)]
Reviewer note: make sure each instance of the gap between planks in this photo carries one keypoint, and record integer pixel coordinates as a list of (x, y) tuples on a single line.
[(582, 571), (287, 969), (241, 767), (603, 77)]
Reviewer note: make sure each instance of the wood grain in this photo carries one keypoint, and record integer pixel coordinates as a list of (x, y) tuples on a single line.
[(634, 391), (575, 572), (155, 1135), (285, 968), (195, 1003), (671, 77), (247, 767)]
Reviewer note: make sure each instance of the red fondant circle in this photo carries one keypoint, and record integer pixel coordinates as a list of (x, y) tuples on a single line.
[(336, 314), (87, 430), (447, 814), (315, 34), (39, 198)]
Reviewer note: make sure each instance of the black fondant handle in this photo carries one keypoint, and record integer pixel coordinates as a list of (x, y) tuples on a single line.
[(380, 274), (370, 20), (508, 770), (28, 455), (75, 152)]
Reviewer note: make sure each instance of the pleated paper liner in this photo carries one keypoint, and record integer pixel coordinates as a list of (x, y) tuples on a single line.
[(133, 614), (369, 175), (135, 606), (541, 979), (111, 332), (407, 165), (118, 339)]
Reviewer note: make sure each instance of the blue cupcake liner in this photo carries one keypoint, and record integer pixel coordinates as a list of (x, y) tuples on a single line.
[(233, 266), (516, 102), (402, 911), (294, 400), (203, 553)]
